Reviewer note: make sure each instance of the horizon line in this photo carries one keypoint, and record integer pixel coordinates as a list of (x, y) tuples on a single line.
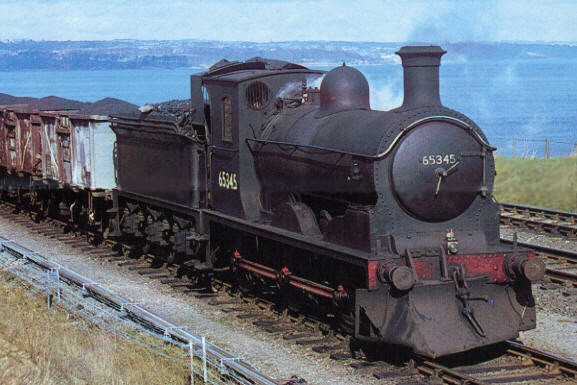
[(20, 40)]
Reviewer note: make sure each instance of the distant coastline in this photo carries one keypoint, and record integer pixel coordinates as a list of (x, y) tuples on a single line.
[(525, 91), (28, 55)]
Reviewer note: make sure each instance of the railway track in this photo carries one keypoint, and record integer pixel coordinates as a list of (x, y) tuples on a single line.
[(79, 292), (520, 364), (561, 223), (517, 363)]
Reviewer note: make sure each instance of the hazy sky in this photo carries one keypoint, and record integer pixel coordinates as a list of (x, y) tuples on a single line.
[(281, 20)]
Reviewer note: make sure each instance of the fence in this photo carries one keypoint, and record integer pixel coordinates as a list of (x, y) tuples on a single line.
[(533, 148), (208, 363)]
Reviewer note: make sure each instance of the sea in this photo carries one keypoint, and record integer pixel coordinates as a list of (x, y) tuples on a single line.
[(520, 104)]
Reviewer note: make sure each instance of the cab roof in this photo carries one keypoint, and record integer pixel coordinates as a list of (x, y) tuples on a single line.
[(237, 71)]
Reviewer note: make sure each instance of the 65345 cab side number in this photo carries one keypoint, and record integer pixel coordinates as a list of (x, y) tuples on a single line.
[(227, 180)]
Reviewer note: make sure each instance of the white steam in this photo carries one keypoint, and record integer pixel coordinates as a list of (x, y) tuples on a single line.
[(292, 90), (386, 97)]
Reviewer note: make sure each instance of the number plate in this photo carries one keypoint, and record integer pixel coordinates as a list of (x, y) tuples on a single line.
[(227, 180), (431, 160)]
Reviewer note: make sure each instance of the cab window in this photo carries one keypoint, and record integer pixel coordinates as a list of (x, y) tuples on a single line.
[(226, 120)]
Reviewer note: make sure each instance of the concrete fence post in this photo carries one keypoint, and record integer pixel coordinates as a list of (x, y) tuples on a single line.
[(547, 148), (191, 351), (204, 359), (56, 275), (52, 286), (513, 145), (47, 289)]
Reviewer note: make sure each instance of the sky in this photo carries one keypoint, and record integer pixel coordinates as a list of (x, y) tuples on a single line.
[(286, 20)]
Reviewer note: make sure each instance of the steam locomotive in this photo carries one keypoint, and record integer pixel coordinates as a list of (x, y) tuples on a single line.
[(383, 219)]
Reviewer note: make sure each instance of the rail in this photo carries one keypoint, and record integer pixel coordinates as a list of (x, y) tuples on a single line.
[(433, 370), (558, 254), (540, 219), (555, 367), (532, 365), (53, 278), (561, 364)]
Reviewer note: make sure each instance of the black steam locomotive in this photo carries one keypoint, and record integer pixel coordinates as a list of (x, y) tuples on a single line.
[(384, 219)]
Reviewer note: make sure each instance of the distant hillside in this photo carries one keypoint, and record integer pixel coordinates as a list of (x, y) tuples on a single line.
[(6, 99), (106, 106), (138, 54)]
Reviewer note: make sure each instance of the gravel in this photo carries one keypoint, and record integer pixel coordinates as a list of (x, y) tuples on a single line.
[(556, 332), (273, 356), (556, 305), (546, 240)]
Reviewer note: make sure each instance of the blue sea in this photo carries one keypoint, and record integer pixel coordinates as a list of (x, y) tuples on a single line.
[(530, 99)]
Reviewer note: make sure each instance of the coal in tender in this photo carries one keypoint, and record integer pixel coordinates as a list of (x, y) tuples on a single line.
[(176, 106)]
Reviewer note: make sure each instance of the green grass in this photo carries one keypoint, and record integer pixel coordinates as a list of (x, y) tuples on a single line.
[(547, 183), (52, 346)]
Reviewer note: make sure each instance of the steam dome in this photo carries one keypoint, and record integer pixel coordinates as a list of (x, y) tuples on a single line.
[(343, 88)]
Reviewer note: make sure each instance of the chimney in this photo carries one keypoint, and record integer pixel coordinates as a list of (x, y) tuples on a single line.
[(421, 75)]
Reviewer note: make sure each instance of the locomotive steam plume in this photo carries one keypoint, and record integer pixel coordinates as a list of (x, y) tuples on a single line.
[(292, 90)]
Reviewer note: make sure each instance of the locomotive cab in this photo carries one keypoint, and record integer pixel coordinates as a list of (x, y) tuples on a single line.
[(242, 96)]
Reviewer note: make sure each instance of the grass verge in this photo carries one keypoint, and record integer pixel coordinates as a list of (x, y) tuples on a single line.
[(547, 183), (53, 346)]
